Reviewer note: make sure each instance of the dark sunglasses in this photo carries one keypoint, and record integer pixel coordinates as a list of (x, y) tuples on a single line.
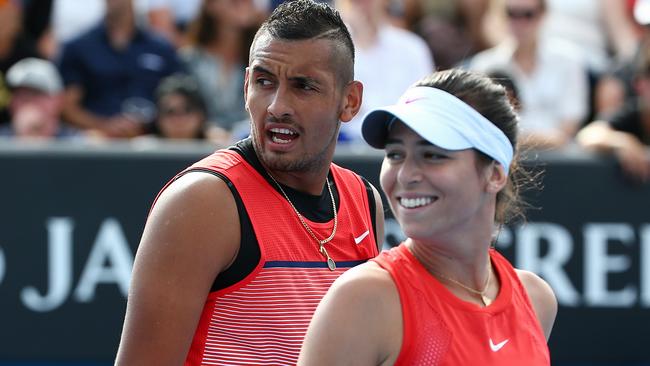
[(178, 111), (527, 14)]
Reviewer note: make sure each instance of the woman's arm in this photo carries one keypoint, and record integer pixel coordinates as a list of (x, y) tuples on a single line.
[(358, 322), (543, 299)]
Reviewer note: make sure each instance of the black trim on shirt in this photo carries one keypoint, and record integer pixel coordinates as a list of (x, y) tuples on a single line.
[(249, 253)]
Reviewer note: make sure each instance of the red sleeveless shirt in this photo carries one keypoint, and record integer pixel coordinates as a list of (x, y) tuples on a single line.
[(441, 329), (262, 320)]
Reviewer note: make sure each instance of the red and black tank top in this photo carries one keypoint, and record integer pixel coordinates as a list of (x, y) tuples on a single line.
[(262, 319)]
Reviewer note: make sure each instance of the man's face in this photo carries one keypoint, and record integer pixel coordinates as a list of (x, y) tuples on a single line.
[(49, 103), (524, 18), (296, 102), (34, 113)]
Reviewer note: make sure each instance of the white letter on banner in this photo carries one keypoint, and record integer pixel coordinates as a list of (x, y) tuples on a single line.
[(111, 245), (644, 263), (59, 232), (560, 249), (598, 264)]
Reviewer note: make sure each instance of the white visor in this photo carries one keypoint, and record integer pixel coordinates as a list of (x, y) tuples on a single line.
[(443, 120)]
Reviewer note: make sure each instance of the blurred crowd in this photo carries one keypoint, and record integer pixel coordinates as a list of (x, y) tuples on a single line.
[(579, 70)]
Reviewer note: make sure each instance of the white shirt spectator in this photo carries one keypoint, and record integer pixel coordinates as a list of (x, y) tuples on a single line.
[(398, 59), (554, 92)]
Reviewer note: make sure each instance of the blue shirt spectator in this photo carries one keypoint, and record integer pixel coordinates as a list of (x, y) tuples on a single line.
[(110, 66), (109, 76)]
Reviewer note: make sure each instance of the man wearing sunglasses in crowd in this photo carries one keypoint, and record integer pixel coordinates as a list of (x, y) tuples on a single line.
[(552, 81)]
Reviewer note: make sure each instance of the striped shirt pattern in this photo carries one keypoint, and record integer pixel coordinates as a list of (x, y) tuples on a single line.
[(264, 322)]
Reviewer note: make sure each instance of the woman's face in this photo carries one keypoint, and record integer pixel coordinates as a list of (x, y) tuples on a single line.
[(434, 192), (178, 119)]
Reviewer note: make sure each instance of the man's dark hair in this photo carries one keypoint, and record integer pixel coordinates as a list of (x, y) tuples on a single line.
[(306, 19)]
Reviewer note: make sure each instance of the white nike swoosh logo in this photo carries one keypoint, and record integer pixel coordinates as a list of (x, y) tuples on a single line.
[(359, 238), (498, 346)]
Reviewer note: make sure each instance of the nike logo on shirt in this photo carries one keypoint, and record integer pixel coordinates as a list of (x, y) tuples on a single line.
[(359, 238), (498, 346)]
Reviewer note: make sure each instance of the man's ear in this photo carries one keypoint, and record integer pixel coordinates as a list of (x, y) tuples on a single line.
[(496, 177), (246, 88), (351, 100)]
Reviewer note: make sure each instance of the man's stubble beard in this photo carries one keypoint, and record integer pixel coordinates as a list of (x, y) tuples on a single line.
[(306, 163)]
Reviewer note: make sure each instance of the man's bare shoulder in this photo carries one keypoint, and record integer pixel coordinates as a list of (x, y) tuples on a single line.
[(195, 218)]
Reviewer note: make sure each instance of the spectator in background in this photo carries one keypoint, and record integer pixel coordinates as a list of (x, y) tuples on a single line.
[(220, 38), (36, 101), (36, 21), (600, 29), (552, 84), (387, 59), (112, 70), (171, 18), (181, 111), (453, 29), (617, 84), (72, 18), (626, 132), (14, 46)]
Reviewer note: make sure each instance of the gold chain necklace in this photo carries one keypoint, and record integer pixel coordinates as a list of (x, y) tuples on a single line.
[(321, 242), (482, 293)]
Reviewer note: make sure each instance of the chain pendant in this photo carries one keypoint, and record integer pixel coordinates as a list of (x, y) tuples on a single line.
[(331, 264)]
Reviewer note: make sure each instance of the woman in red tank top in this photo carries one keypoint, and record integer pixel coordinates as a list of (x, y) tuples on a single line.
[(444, 296)]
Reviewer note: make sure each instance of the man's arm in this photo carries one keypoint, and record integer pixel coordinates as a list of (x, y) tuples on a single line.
[(77, 115), (629, 150), (192, 234)]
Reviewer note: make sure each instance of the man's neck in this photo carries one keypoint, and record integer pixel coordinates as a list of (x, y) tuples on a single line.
[(120, 29)]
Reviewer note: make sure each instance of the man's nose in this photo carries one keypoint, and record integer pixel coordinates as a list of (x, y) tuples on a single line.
[(282, 104)]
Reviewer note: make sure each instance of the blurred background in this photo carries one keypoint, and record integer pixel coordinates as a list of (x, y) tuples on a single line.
[(103, 101)]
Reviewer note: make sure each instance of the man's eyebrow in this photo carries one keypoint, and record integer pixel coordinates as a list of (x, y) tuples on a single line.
[(305, 80), (260, 70)]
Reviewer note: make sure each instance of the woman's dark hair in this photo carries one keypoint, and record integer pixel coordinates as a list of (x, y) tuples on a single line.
[(491, 100), (186, 86), (204, 29)]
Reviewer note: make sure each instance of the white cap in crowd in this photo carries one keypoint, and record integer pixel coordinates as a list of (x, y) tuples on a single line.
[(35, 73)]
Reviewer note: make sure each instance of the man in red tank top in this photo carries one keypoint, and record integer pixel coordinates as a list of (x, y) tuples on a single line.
[(444, 296), (239, 249)]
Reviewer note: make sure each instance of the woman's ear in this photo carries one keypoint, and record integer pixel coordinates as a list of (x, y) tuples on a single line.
[(496, 177)]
